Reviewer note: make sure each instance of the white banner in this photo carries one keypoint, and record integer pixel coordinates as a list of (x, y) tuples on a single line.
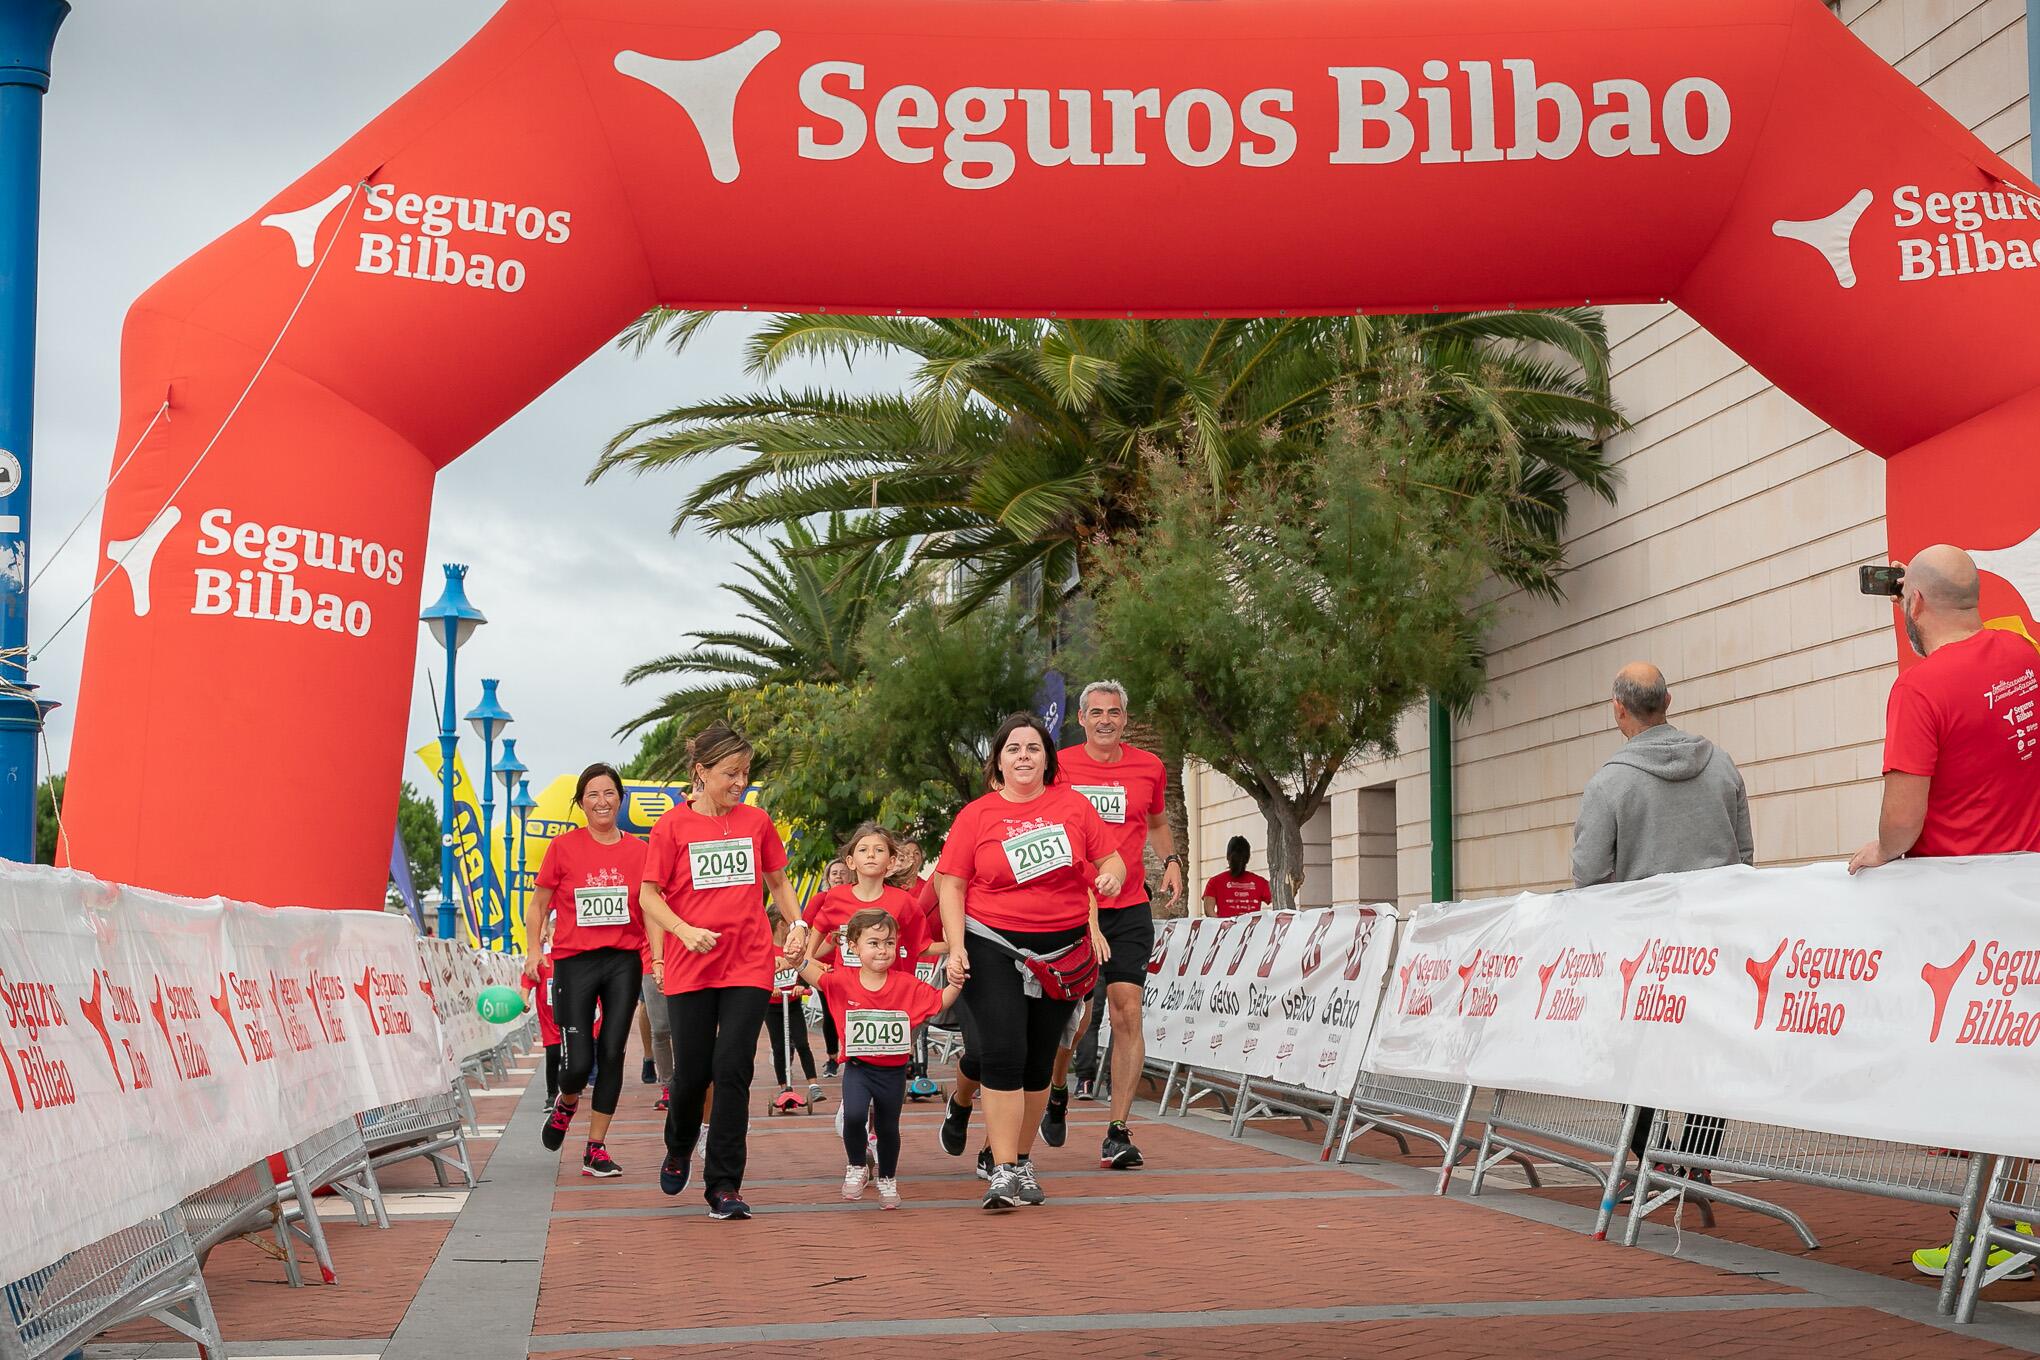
[(152, 1045), (1281, 996), (458, 975), (1902, 1004)]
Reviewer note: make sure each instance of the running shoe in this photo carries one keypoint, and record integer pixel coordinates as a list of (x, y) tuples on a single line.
[(665, 1100), (1086, 1089), (1030, 1187), (955, 1128), (829, 1069), (596, 1161), (888, 1192), (1118, 1152), (1005, 1190), (814, 1092), (1055, 1125), (1934, 1261), (673, 1174), (854, 1180), (985, 1169), (727, 1204), (650, 1075), (553, 1133)]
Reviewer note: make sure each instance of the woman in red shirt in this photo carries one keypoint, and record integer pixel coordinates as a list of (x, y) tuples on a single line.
[(1017, 873), (703, 896), (585, 886), (1236, 892)]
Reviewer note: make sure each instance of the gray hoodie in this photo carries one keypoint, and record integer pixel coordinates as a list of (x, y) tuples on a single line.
[(1666, 802)]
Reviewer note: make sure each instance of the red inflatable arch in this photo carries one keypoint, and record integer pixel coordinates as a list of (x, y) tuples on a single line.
[(580, 160)]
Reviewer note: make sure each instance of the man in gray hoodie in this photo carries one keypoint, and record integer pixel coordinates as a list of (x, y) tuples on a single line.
[(1666, 802)]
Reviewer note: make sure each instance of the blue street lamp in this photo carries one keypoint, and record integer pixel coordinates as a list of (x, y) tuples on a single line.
[(522, 805), (488, 719), (508, 771), (451, 619)]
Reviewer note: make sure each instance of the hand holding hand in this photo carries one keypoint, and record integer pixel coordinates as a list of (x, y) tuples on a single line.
[(959, 966)]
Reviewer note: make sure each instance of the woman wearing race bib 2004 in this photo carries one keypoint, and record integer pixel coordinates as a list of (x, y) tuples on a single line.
[(1016, 882), (711, 859), (585, 885)]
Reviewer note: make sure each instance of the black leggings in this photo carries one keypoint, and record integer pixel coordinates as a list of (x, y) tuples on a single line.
[(715, 1042), (552, 1072), (775, 1025), (611, 978), (879, 1092), (829, 1041), (1012, 1037)]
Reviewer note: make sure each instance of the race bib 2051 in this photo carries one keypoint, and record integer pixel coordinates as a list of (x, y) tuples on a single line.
[(1034, 853)]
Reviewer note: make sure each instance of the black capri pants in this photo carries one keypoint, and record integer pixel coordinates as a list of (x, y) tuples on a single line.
[(610, 978), (1012, 1037)]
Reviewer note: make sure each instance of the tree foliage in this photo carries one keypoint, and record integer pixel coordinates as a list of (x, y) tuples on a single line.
[(418, 828), (48, 794)]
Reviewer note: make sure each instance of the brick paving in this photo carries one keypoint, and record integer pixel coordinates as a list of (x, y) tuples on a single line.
[(1222, 1248)]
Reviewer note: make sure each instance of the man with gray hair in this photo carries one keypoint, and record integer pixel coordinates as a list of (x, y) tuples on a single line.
[(1668, 801)]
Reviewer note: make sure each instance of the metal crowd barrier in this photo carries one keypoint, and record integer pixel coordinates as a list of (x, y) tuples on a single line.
[(335, 1157), (1394, 1104), (430, 1126), (148, 1270), (2010, 1201)]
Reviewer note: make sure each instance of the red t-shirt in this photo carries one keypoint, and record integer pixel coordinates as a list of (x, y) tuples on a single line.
[(1026, 866), (1968, 717), (548, 1026), (834, 908), (593, 884), (1238, 896), (1125, 793), (929, 899), (884, 1034), (711, 871)]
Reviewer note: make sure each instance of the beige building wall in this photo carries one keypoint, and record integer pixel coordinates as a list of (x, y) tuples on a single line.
[(1729, 560)]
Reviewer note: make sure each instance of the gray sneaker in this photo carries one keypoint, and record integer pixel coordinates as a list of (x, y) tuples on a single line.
[(985, 1169), (1005, 1191), (1030, 1188)]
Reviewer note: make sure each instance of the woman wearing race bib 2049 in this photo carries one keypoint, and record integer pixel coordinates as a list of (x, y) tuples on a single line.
[(1017, 877), (712, 858), (585, 885)]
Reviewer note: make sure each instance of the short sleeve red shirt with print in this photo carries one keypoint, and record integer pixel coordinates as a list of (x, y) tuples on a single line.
[(584, 876), (843, 991), (1968, 718), (711, 871), (1027, 866), (1125, 793), (834, 908), (1238, 896)]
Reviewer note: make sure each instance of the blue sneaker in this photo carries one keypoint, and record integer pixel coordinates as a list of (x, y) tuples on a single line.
[(673, 1174)]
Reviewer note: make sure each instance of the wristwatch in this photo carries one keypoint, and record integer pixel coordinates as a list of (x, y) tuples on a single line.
[(1167, 860)]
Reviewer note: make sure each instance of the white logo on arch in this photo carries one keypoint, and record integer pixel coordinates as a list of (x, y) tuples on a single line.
[(706, 88), (303, 225), (1831, 235), (137, 556)]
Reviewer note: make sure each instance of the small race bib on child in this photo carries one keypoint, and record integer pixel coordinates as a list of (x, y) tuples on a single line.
[(1109, 799), (723, 864), (605, 906), (785, 979), (876, 1034), (1034, 853), (929, 971)]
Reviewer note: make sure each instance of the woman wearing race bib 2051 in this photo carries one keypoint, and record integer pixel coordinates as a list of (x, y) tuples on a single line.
[(712, 857), (586, 884), (1020, 864)]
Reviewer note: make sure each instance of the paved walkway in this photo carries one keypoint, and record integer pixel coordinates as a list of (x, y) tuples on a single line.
[(1218, 1248)]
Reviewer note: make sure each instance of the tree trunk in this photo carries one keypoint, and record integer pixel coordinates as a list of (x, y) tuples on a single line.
[(1285, 850), (1177, 810)]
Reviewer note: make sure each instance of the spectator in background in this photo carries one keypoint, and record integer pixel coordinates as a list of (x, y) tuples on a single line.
[(1236, 892), (1961, 745), (1667, 802)]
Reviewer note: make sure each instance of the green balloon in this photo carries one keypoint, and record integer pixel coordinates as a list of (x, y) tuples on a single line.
[(499, 1005)]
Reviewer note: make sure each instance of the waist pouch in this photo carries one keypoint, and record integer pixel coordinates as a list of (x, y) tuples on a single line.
[(1069, 974)]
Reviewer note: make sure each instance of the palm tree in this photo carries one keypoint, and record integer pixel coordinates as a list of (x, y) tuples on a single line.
[(806, 599)]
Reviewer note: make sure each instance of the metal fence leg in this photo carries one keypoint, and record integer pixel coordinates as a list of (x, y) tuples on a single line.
[(312, 1230), (1966, 1215), (1332, 1123), (1977, 1249), (1168, 1084), (1239, 1110), (1458, 1137), (1613, 1186)]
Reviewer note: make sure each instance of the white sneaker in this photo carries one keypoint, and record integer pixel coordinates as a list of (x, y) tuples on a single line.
[(888, 1192), (854, 1179)]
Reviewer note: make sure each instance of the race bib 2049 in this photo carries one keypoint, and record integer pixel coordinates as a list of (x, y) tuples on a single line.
[(723, 864), (876, 1034), (1109, 799), (1034, 853), (605, 906)]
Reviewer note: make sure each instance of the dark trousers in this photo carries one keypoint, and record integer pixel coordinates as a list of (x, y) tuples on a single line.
[(715, 1042), (1084, 1062), (609, 978), (552, 1072), (1701, 1135), (830, 1044), (1012, 1037), (877, 1093), (776, 1012)]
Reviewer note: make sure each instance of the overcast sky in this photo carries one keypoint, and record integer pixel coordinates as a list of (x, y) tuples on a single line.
[(168, 121)]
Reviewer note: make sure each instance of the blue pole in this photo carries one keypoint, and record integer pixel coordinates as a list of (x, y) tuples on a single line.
[(28, 33), (448, 739), (488, 833)]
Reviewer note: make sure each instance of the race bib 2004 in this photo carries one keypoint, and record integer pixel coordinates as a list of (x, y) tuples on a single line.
[(876, 1034), (723, 864), (605, 906), (1109, 799), (1034, 853)]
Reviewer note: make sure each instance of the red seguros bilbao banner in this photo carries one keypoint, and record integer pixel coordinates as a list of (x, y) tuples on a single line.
[(580, 160)]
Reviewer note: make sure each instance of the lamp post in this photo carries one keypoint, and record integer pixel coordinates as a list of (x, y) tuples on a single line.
[(508, 771), (451, 619), (522, 805), (488, 719)]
